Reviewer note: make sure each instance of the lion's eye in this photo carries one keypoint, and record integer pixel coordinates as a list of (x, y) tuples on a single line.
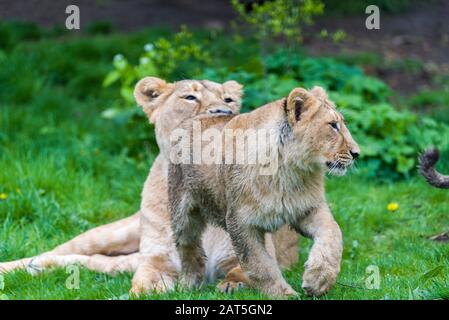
[(335, 125), (190, 97), (228, 100)]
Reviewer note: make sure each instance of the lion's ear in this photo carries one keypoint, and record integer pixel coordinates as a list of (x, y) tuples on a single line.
[(296, 103), (234, 87), (319, 92), (147, 91)]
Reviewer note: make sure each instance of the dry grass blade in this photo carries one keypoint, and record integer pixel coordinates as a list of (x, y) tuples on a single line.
[(441, 237)]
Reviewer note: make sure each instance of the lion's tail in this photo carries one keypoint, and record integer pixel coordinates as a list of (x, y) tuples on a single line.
[(427, 162)]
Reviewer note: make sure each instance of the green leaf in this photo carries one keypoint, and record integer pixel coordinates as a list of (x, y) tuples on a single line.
[(112, 77), (127, 94), (404, 164), (431, 274)]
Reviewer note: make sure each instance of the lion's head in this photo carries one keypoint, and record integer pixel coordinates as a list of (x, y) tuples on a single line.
[(321, 130), (167, 105), (185, 98)]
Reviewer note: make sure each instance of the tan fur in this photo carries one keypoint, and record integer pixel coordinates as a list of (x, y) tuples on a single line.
[(103, 243), (168, 110), (310, 137), (115, 247)]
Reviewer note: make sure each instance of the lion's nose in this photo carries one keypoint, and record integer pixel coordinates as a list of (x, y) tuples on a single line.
[(355, 153), (223, 110)]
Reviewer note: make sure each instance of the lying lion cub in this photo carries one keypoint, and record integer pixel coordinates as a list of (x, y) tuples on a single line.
[(308, 136)]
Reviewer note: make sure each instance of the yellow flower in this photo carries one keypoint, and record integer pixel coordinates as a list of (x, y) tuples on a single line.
[(3, 196), (393, 206)]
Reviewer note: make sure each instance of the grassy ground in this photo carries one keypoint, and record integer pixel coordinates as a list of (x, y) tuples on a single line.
[(64, 169)]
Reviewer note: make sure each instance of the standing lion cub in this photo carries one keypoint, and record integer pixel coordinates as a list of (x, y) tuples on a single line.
[(307, 137)]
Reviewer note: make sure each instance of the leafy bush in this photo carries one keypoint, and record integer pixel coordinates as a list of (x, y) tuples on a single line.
[(278, 17), (31, 70), (164, 58), (12, 33), (100, 27), (390, 138)]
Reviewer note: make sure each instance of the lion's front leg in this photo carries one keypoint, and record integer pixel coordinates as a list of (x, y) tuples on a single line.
[(235, 278), (261, 269), (159, 263), (188, 227), (155, 273), (323, 265)]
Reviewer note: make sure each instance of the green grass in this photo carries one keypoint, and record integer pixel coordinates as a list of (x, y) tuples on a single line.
[(65, 169), (395, 242)]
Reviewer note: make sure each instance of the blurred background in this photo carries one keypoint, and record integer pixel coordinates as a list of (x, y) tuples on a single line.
[(75, 149)]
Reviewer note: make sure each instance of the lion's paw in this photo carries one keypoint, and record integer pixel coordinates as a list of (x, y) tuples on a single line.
[(229, 287), (280, 289), (157, 283), (318, 277), (37, 265), (4, 267), (190, 280)]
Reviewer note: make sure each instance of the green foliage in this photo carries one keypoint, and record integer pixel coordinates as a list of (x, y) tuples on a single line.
[(390, 138), (336, 37), (100, 27), (278, 17), (55, 77), (13, 32), (167, 59), (430, 98)]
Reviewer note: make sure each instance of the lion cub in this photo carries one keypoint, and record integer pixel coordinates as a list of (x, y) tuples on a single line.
[(307, 137)]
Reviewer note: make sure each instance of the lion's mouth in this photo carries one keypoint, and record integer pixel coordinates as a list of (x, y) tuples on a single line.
[(337, 168)]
